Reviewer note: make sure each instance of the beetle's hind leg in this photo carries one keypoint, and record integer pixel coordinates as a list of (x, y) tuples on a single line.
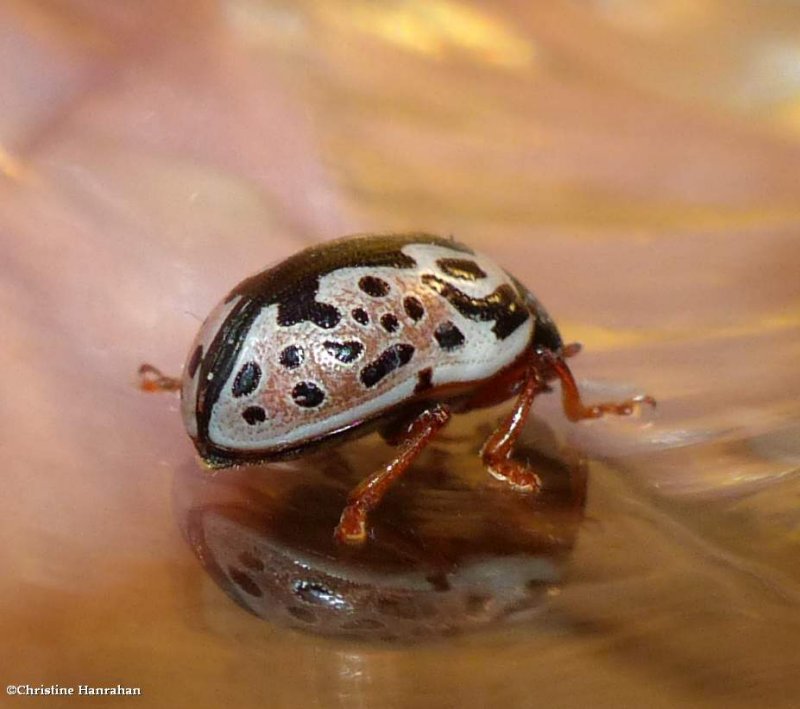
[(352, 527), (496, 451), (151, 379), (574, 408)]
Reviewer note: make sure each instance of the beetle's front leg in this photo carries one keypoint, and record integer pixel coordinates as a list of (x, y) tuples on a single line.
[(352, 527), (496, 451)]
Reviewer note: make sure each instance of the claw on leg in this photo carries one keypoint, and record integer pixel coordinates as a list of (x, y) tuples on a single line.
[(352, 527), (151, 379), (516, 475)]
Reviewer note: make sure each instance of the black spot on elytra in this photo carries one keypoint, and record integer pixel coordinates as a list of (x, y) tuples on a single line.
[(346, 352), (292, 285), (194, 361), (360, 315), (376, 287), (292, 356), (504, 305), (389, 322), (308, 395), (390, 359), (448, 336), (463, 269), (243, 581), (247, 379), (424, 380), (254, 415), (413, 307)]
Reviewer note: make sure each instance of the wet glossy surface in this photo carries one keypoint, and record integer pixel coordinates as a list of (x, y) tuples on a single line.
[(450, 549), (636, 164)]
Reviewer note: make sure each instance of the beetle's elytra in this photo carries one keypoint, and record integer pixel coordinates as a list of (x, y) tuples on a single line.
[(398, 331)]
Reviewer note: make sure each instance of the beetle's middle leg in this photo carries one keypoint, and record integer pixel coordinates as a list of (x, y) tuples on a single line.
[(352, 527)]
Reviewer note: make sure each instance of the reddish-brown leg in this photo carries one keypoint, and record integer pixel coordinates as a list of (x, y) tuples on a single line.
[(574, 408), (496, 452), (151, 379), (352, 527)]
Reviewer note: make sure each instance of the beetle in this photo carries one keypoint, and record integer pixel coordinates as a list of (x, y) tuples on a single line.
[(392, 332)]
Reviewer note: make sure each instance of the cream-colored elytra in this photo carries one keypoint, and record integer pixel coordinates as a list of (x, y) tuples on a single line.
[(382, 362)]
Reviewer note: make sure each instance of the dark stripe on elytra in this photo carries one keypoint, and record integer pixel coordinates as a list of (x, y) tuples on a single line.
[(545, 331), (295, 278), (219, 361), (463, 269), (194, 361), (247, 379), (504, 305), (448, 336), (390, 359), (293, 284), (345, 352), (305, 309)]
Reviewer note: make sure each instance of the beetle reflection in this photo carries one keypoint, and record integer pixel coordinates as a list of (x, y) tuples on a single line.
[(450, 549)]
